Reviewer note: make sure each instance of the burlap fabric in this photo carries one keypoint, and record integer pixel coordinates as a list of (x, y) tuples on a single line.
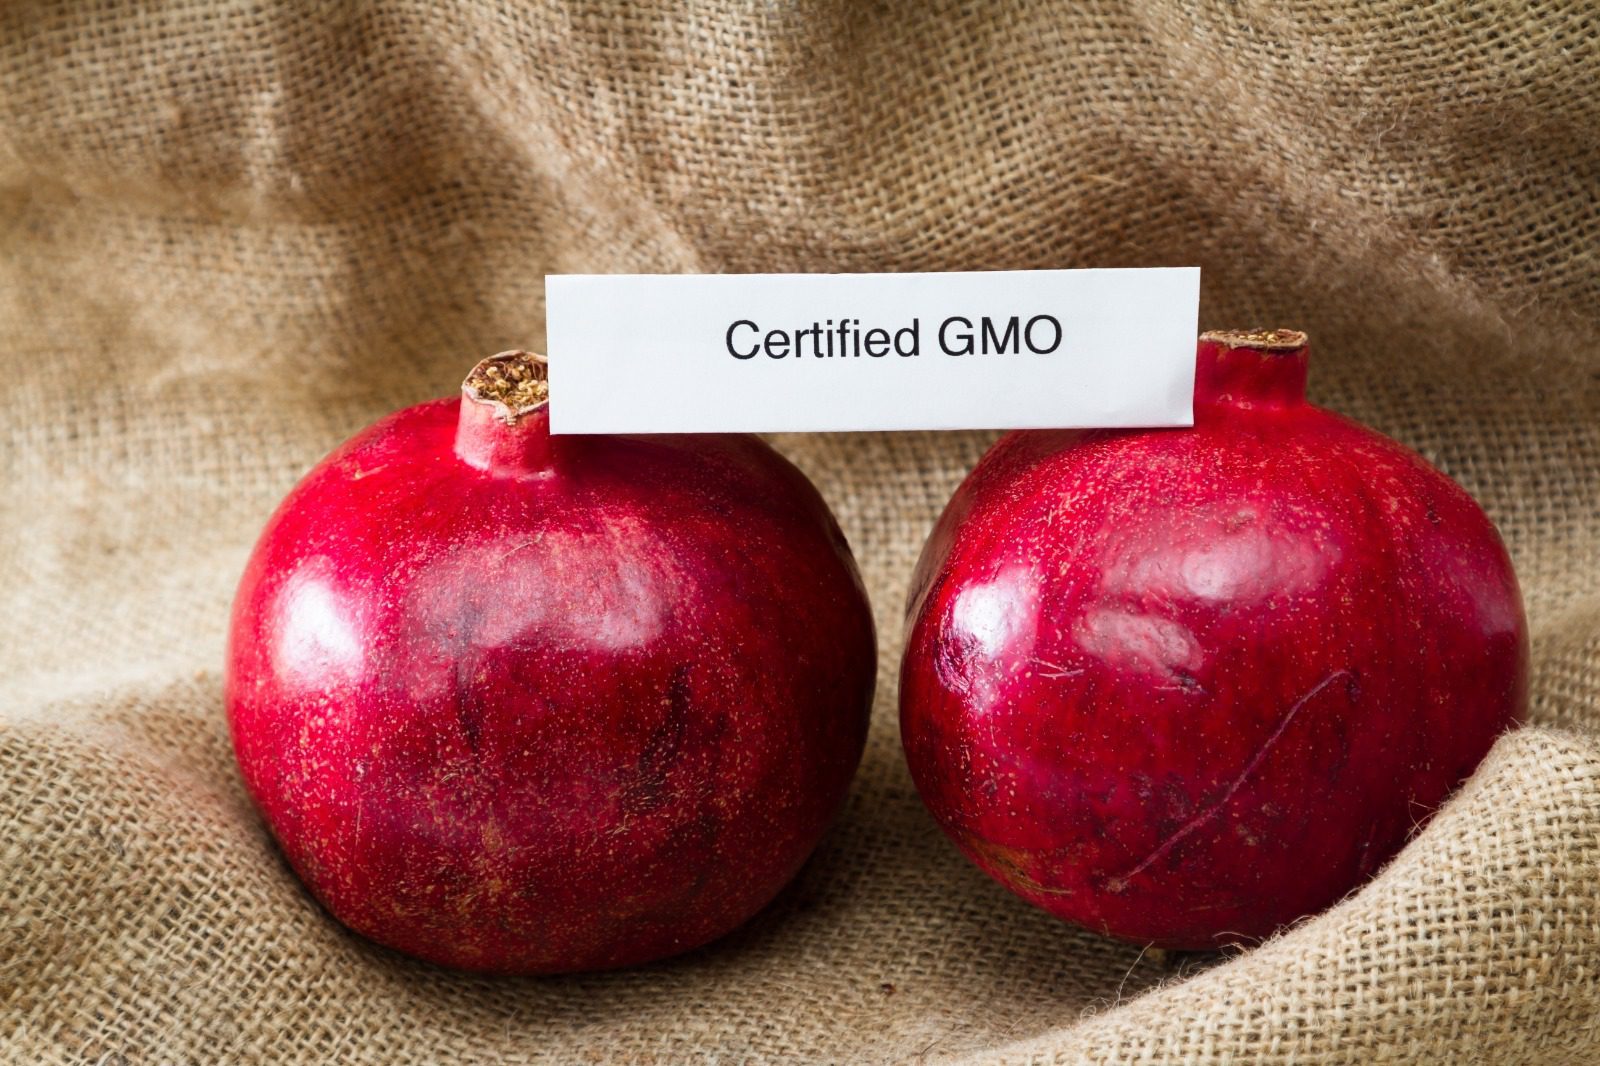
[(233, 234)]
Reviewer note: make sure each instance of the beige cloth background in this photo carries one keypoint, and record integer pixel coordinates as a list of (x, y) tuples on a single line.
[(232, 234)]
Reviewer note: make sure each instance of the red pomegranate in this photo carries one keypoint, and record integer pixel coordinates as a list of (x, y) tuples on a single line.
[(530, 704), (1186, 686)]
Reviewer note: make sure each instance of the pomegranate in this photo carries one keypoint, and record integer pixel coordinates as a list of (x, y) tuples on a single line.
[(530, 704), (1183, 687)]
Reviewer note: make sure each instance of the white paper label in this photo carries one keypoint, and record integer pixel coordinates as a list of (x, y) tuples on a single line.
[(1011, 349)]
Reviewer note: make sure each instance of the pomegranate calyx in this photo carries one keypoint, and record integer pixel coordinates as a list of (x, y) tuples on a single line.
[(1261, 368), (1266, 340), (504, 424), (515, 382)]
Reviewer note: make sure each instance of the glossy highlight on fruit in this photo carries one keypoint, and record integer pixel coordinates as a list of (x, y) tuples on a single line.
[(1186, 686), (530, 704)]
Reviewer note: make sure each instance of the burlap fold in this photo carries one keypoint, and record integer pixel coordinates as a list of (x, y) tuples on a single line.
[(232, 234)]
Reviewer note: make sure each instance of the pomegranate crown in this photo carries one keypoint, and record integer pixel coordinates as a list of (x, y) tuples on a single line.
[(514, 382)]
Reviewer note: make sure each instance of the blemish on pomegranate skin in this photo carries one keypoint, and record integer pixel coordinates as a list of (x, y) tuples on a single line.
[(1054, 671), (1210, 812)]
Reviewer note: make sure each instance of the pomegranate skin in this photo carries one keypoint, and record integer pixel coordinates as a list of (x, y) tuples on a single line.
[(523, 704), (1184, 687)]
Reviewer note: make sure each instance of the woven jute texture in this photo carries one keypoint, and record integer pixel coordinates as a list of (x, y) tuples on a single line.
[(232, 234)]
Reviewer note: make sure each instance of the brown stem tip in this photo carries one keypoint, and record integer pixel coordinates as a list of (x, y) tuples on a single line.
[(1268, 340), (517, 382)]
